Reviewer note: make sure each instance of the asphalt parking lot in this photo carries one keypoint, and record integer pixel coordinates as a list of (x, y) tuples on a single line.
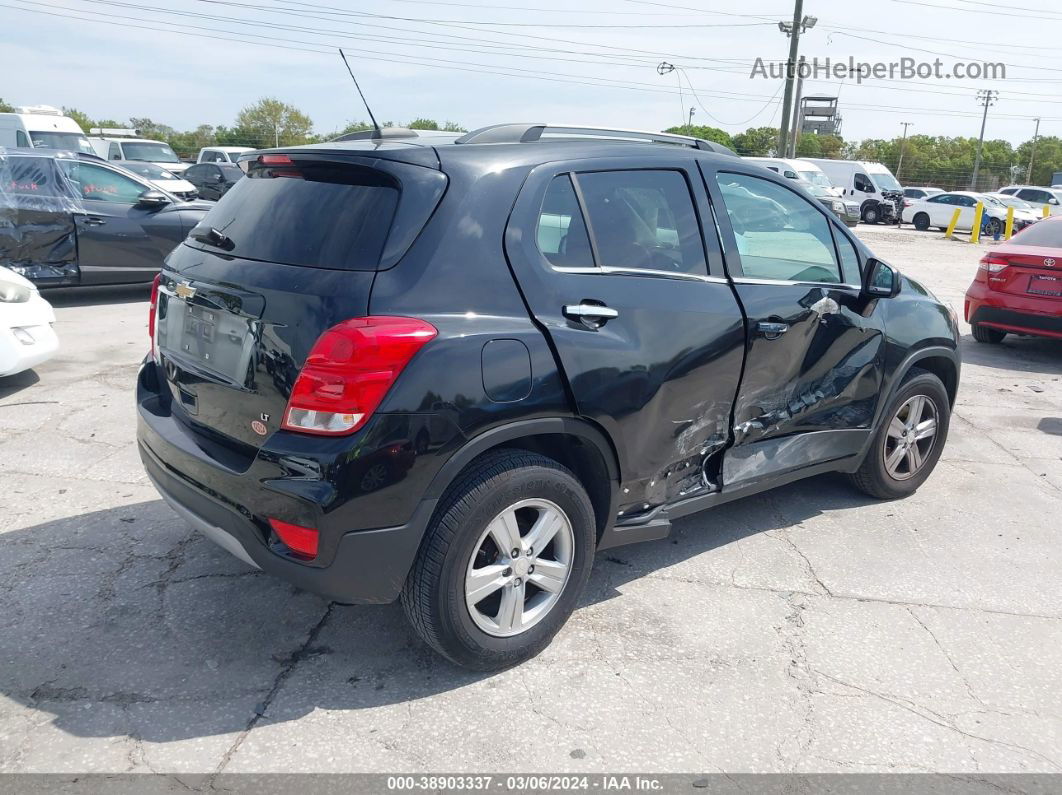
[(807, 629)]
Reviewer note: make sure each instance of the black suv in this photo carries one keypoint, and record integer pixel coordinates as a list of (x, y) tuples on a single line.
[(450, 370)]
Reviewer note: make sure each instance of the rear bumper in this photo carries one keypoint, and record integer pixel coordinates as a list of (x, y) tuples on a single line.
[(368, 566), (231, 501), (1040, 317)]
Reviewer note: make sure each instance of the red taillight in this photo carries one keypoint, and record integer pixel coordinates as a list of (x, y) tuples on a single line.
[(275, 160), (349, 370), (153, 311), (301, 540), (992, 266)]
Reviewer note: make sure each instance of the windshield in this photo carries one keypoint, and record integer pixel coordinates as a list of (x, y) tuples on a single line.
[(156, 153), (1045, 234), (885, 181), (73, 142), (816, 178), (149, 170)]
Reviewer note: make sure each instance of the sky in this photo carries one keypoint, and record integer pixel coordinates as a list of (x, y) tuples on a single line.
[(572, 61)]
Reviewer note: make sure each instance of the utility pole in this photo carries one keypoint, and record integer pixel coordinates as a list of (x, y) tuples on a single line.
[(1032, 155), (689, 124), (985, 97), (899, 166), (793, 30), (794, 140)]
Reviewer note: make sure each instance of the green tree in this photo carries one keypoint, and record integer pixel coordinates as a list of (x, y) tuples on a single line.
[(274, 123), (424, 124), (147, 128), (1047, 161), (82, 119), (5, 108), (713, 134), (756, 142), (453, 126)]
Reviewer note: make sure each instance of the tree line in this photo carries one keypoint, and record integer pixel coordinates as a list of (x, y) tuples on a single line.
[(942, 161)]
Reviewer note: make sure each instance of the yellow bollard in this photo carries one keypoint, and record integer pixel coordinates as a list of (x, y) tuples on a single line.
[(1009, 230), (953, 224), (1047, 210), (975, 232)]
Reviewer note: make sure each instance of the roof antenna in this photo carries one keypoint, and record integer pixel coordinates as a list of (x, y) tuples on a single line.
[(379, 132)]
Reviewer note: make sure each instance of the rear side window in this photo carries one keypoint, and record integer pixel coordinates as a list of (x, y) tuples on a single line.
[(643, 220), (561, 232), (310, 213)]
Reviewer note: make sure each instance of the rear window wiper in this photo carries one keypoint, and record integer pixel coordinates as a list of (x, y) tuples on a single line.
[(212, 237)]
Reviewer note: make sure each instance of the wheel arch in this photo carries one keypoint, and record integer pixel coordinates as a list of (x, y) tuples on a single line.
[(577, 444)]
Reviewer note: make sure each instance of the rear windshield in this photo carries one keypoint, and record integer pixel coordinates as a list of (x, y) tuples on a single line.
[(316, 214), (1047, 234)]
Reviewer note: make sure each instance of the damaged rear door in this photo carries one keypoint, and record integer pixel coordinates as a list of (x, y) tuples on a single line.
[(615, 266), (813, 369)]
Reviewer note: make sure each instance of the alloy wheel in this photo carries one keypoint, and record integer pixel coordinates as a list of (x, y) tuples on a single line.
[(910, 437), (519, 567)]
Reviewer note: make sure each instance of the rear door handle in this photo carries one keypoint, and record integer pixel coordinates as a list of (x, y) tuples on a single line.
[(771, 330), (590, 312)]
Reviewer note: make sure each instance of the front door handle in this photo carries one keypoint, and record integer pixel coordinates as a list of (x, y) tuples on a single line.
[(771, 330), (590, 314), (94, 220)]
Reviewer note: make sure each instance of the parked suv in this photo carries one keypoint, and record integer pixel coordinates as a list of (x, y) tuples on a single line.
[(453, 368)]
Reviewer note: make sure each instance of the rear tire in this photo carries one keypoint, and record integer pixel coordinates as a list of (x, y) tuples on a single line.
[(502, 495), (921, 222), (989, 336), (908, 444)]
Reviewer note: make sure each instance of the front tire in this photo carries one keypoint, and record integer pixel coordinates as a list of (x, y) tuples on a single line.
[(871, 214), (993, 227), (921, 222), (503, 562), (907, 446)]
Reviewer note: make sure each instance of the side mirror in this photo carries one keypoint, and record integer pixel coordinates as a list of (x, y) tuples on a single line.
[(868, 189), (880, 280), (152, 199)]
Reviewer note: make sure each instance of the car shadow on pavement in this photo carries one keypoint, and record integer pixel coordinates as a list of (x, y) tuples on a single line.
[(125, 622), (94, 296), (13, 384), (1024, 354)]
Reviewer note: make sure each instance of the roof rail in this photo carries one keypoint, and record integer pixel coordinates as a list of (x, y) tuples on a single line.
[(378, 135), (528, 133)]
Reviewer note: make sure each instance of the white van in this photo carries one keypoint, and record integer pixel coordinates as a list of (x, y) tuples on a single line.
[(222, 154), (121, 144), (794, 169), (36, 126), (869, 182)]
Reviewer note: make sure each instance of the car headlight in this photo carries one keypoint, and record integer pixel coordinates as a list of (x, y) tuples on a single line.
[(838, 207), (12, 292)]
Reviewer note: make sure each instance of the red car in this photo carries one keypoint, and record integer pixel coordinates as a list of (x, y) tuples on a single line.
[(1018, 286)]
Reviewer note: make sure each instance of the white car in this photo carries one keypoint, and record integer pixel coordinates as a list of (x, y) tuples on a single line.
[(161, 178), (26, 334), (222, 154), (1037, 196), (938, 210), (1023, 211)]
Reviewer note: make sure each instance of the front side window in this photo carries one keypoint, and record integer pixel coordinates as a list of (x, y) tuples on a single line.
[(1035, 196), (102, 184), (561, 232), (644, 220), (780, 235), (862, 182)]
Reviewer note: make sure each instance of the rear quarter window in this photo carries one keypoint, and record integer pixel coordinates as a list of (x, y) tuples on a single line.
[(313, 214)]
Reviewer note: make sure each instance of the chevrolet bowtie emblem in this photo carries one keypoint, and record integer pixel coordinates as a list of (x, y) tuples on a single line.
[(184, 291)]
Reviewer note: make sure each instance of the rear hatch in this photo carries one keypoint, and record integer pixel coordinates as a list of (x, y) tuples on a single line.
[(1029, 271), (288, 253)]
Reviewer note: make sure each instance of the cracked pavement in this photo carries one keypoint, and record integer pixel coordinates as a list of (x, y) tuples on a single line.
[(807, 630)]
